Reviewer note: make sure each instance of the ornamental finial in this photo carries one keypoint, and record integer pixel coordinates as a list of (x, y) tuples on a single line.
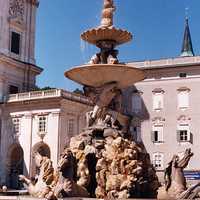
[(107, 14)]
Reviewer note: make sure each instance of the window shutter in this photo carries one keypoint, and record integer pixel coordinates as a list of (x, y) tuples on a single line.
[(152, 136), (160, 133), (178, 136), (190, 139)]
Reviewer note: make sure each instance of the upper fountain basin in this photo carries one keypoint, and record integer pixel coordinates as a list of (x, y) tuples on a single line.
[(99, 74), (120, 36)]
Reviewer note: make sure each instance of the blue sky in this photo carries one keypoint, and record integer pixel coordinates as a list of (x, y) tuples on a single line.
[(157, 27)]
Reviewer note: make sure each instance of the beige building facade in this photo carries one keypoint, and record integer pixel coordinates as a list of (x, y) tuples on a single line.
[(166, 109)]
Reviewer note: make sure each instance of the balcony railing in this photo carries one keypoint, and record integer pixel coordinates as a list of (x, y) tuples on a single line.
[(46, 94)]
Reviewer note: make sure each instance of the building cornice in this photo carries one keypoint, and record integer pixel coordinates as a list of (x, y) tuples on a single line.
[(20, 64), (167, 63)]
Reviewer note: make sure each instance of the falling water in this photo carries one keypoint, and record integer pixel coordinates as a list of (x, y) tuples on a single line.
[(87, 50), (83, 48)]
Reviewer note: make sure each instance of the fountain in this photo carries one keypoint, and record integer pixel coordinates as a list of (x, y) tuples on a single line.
[(110, 164), (104, 161)]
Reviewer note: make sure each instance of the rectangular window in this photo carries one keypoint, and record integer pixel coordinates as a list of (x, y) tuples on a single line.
[(136, 103), (16, 125), (183, 99), (158, 160), (157, 101), (183, 133), (157, 134), (15, 43), (42, 125), (13, 89), (71, 127)]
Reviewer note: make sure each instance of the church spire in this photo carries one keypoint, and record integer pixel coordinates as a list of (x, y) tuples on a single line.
[(187, 49)]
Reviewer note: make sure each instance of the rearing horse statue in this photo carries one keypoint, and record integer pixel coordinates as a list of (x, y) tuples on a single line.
[(175, 182)]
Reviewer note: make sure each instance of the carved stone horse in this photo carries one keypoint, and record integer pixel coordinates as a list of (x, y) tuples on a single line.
[(175, 182), (65, 185), (40, 186)]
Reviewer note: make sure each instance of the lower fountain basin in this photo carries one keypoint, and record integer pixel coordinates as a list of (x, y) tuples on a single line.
[(99, 74)]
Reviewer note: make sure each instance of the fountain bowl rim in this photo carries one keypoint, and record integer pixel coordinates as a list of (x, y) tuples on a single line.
[(96, 75), (93, 36)]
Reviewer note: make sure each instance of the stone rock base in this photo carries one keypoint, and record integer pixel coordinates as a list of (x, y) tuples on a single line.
[(111, 165)]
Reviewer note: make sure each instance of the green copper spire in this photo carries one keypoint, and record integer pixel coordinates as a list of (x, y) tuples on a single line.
[(187, 49)]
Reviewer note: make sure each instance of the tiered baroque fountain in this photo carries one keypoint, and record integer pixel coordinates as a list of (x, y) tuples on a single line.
[(103, 161), (110, 163)]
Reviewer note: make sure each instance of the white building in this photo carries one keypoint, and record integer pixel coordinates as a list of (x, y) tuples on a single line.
[(30, 121)]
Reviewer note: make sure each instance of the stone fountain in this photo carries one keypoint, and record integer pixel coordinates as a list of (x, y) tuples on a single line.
[(103, 161), (109, 162)]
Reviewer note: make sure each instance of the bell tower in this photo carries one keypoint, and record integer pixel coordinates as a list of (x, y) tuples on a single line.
[(18, 68)]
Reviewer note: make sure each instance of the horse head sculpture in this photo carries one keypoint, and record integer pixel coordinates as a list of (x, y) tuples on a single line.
[(174, 172), (175, 181)]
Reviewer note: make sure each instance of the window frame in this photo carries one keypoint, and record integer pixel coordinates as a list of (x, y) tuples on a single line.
[(180, 103), (186, 133), (44, 125), (71, 132), (160, 105), (155, 161), (12, 86), (16, 121), (11, 43), (159, 128)]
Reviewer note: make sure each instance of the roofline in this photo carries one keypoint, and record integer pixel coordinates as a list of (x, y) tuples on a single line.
[(166, 63)]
